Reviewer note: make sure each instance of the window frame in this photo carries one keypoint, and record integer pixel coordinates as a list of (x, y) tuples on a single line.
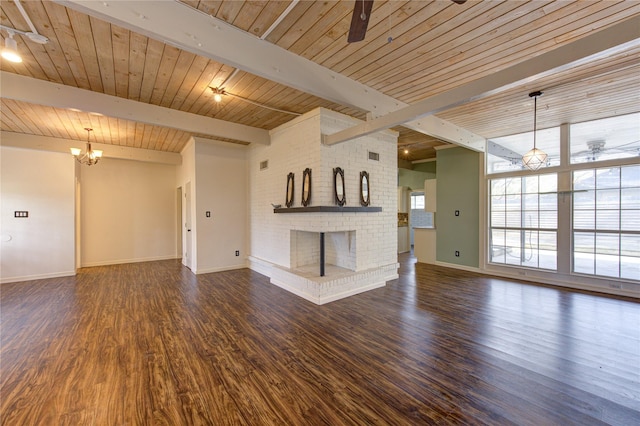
[(564, 274), (525, 232)]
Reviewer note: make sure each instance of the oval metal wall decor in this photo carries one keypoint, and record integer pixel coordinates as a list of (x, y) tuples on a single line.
[(306, 187), (365, 194), (290, 189), (338, 186)]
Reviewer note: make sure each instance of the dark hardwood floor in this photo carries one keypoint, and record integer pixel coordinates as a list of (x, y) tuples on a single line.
[(151, 343)]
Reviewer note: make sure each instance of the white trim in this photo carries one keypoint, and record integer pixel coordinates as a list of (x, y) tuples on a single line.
[(442, 147), (123, 261), (220, 269), (528, 275), (587, 283), (428, 160), (7, 280), (460, 267)]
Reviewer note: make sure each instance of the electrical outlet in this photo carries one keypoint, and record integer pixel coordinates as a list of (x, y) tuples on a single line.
[(457, 253), (237, 252), (457, 213), (208, 214)]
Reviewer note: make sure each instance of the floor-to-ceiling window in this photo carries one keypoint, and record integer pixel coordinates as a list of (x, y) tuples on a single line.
[(606, 222), (523, 221), (580, 214)]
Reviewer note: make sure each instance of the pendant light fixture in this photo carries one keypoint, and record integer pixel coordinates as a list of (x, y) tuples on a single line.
[(91, 156), (535, 158)]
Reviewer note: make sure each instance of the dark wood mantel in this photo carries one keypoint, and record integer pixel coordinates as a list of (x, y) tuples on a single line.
[(327, 209)]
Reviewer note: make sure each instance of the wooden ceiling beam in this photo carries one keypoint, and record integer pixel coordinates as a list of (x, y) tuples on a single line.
[(40, 92), (605, 42), (213, 38), (62, 145)]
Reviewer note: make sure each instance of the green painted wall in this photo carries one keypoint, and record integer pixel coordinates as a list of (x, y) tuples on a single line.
[(457, 189), (413, 179), (428, 167)]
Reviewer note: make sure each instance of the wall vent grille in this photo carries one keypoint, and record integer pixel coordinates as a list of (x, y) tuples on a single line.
[(374, 156), (264, 165)]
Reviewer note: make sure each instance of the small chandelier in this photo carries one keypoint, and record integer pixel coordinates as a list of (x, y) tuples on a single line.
[(91, 157), (535, 158)]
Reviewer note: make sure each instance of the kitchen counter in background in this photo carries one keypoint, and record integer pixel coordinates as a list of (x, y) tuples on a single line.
[(404, 245), (424, 244)]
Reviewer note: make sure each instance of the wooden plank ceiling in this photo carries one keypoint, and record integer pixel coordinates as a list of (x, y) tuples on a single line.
[(412, 50)]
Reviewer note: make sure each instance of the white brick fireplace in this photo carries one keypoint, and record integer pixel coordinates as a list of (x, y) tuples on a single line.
[(360, 246)]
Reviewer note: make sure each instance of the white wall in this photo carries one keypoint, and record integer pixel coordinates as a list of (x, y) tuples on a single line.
[(186, 179), (377, 233), (42, 245), (128, 212), (221, 187), (293, 148)]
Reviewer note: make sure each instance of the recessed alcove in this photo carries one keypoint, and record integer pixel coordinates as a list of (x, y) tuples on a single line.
[(306, 251)]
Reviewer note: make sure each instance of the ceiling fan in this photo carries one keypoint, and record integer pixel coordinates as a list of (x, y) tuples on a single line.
[(596, 150), (360, 19)]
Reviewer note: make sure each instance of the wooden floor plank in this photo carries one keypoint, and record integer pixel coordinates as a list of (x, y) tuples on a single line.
[(151, 343)]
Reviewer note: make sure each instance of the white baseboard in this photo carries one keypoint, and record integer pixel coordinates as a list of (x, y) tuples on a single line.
[(626, 289), (6, 280), (122, 261), (219, 269), (461, 267)]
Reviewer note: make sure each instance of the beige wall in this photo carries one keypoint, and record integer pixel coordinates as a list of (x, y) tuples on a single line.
[(221, 188), (42, 245), (128, 212)]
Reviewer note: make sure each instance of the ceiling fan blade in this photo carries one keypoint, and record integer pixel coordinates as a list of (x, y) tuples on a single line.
[(358, 29), (459, 1)]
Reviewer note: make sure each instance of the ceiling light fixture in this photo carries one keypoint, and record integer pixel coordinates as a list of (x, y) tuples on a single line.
[(219, 92), (535, 158), (10, 51), (91, 157)]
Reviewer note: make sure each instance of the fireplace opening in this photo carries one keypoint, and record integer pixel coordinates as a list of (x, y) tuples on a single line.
[(339, 251)]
